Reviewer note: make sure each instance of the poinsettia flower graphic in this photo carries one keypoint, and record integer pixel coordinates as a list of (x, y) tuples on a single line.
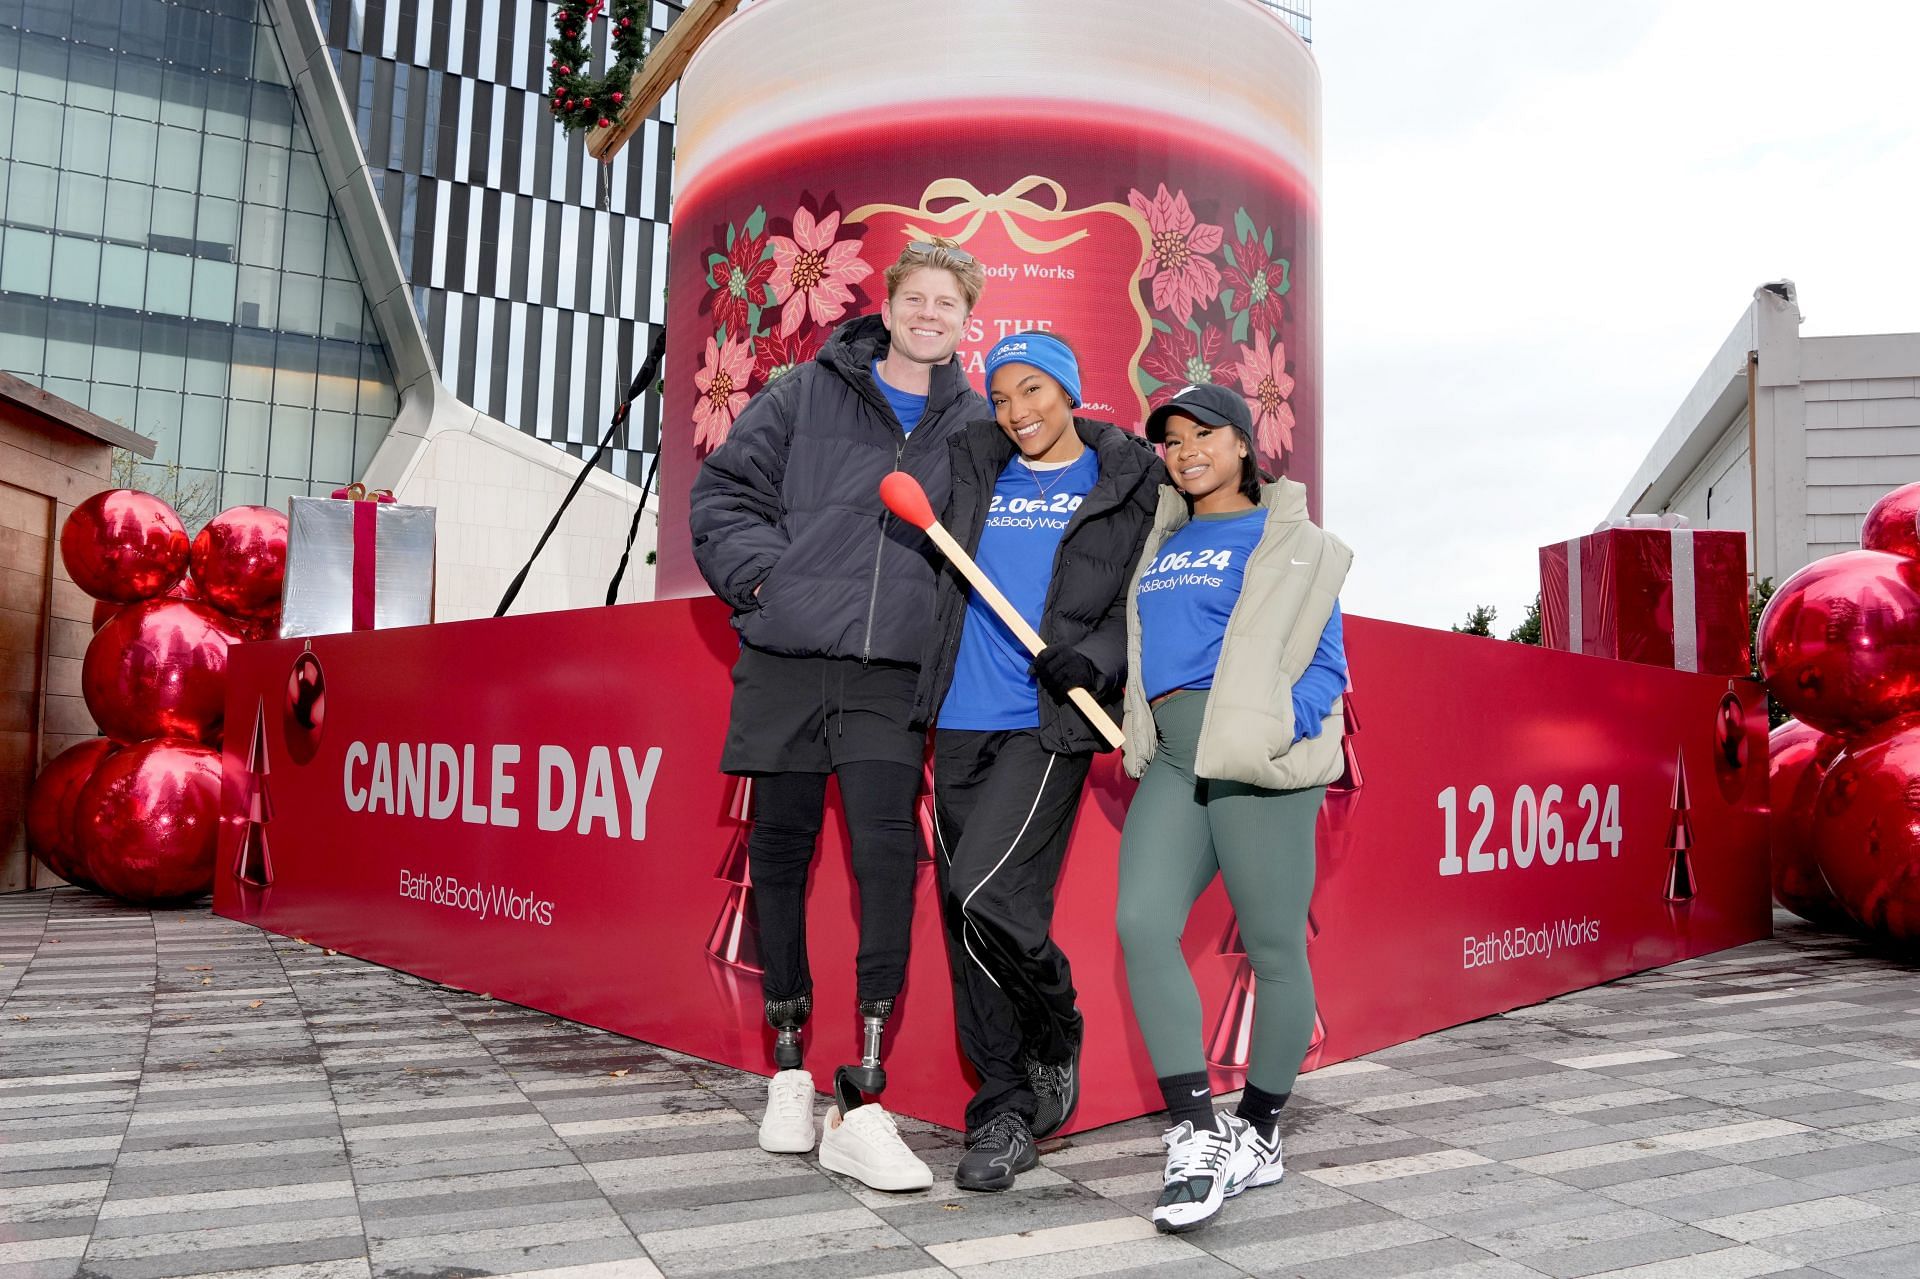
[(723, 391), (1257, 283), (1183, 277), (812, 271), (1264, 382), (777, 354), (1181, 357), (740, 281)]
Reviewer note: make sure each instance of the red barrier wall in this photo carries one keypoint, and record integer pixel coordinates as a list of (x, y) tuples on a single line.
[(1437, 902)]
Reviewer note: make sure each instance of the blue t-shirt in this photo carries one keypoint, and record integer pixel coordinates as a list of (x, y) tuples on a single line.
[(1186, 598), (993, 686), (908, 408)]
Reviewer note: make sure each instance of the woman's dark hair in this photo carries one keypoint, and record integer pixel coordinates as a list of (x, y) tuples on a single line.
[(1250, 475)]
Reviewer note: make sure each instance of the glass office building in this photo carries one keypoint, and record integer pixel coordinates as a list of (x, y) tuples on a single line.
[(170, 256)]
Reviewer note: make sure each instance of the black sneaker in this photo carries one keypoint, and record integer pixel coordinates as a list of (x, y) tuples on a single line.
[(1056, 1087), (1001, 1149)]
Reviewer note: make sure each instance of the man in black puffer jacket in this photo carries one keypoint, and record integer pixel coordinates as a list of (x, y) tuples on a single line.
[(833, 599)]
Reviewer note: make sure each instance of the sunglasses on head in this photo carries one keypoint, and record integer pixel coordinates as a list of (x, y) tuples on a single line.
[(927, 248)]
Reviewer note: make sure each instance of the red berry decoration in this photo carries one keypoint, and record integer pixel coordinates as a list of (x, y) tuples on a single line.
[(1840, 641), (149, 821), (159, 668), (1800, 758), (1893, 523), (51, 832), (123, 545), (1866, 831), (240, 560)]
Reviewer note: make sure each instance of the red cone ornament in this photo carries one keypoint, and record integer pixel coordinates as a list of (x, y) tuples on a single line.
[(51, 832), (1799, 759), (1893, 523), (1866, 831), (123, 545), (149, 821), (240, 560), (159, 668), (1840, 641)]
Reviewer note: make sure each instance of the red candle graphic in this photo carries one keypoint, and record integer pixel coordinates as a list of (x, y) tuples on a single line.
[(1680, 886), (735, 937), (252, 864)]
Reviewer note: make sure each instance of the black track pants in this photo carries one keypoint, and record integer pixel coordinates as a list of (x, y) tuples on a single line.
[(1003, 811)]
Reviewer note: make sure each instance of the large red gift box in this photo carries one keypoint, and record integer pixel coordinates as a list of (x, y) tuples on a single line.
[(1664, 595)]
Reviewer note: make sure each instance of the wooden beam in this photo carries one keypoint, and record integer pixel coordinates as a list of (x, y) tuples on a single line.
[(665, 61)]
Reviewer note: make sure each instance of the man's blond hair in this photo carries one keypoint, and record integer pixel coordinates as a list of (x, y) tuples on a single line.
[(941, 254)]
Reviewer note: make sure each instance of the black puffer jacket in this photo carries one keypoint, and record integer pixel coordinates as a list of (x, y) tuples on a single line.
[(791, 504), (1086, 604)]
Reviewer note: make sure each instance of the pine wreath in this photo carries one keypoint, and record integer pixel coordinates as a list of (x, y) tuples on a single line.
[(577, 99)]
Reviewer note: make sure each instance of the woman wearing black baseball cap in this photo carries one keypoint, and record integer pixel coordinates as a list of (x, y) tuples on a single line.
[(1233, 724)]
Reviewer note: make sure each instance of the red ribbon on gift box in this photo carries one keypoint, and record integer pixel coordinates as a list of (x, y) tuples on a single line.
[(365, 511)]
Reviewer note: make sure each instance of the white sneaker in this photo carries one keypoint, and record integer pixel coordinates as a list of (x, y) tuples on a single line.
[(787, 1127), (1200, 1167), (865, 1145), (1256, 1163)]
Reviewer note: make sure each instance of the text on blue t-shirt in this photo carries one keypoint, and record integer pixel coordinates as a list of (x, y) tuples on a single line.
[(993, 686)]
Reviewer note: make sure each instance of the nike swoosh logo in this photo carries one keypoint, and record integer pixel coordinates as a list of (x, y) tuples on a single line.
[(1301, 563), (1199, 1092)]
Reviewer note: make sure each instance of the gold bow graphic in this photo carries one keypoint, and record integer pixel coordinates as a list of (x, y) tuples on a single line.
[(959, 196)]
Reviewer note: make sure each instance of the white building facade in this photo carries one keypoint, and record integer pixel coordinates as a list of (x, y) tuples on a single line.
[(1787, 437)]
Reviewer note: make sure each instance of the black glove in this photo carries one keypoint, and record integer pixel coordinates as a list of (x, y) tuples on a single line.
[(1060, 668)]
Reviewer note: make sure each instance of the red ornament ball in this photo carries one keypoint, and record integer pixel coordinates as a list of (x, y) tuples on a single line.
[(604, 122), (51, 831), (149, 821), (304, 713), (123, 545), (158, 669), (1893, 523), (1866, 830), (240, 560), (1840, 641), (1800, 758)]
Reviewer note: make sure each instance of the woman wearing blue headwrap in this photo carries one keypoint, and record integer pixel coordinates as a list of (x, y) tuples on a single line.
[(1054, 507)]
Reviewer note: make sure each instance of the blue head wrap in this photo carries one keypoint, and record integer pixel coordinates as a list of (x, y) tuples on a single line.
[(1044, 352)]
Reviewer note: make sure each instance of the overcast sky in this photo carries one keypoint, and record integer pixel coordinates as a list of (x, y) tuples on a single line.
[(1542, 219)]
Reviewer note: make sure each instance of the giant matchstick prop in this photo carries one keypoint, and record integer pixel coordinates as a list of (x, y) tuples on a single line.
[(905, 498)]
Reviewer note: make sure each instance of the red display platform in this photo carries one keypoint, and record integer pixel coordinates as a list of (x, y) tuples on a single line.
[(530, 807)]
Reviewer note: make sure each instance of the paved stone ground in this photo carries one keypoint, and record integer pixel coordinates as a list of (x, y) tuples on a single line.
[(181, 1095)]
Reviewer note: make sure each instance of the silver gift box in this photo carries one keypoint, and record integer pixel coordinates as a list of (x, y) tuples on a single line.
[(318, 597)]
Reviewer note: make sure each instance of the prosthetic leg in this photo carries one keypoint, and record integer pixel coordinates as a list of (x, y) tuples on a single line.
[(787, 1016), (852, 1085)]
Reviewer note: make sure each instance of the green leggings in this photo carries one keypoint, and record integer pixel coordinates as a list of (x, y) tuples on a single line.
[(1180, 832)]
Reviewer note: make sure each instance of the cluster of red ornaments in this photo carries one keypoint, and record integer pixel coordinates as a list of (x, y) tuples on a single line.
[(576, 98), (135, 812), (1840, 649)]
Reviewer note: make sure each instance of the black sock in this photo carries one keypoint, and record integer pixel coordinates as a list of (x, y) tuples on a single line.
[(1189, 1097), (1262, 1109)]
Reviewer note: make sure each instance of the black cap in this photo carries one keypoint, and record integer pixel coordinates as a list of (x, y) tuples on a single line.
[(1203, 402)]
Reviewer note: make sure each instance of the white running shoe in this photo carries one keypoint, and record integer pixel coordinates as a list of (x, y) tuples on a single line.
[(1200, 1167), (865, 1145), (1257, 1162), (787, 1127)]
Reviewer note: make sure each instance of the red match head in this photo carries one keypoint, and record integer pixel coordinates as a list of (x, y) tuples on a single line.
[(905, 498)]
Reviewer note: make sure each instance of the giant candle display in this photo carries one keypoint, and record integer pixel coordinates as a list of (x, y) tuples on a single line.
[(1140, 182)]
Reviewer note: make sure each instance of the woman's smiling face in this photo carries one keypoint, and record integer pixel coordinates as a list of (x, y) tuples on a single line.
[(1205, 461), (1033, 410)]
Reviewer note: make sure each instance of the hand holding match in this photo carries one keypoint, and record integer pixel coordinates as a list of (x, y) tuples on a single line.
[(905, 498)]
